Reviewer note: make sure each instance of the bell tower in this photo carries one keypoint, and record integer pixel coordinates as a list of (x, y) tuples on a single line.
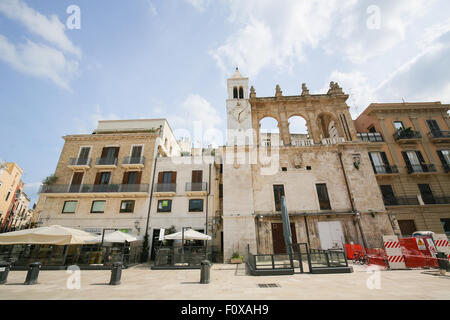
[(239, 120)]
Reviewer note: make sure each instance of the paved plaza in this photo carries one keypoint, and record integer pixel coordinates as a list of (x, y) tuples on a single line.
[(230, 282)]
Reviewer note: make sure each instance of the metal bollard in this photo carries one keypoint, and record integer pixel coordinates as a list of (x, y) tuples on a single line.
[(4, 271), (116, 274), (205, 267), (33, 273)]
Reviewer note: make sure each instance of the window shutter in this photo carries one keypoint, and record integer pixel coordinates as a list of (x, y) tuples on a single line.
[(160, 177), (116, 152), (420, 157), (408, 163), (125, 178), (174, 177), (371, 161), (104, 152), (386, 162), (139, 176), (97, 178)]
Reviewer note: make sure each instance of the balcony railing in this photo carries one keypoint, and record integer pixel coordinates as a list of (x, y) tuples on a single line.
[(370, 136), (200, 186), (401, 201), (407, 134), (421, 168), (80, 162), (93, 188), (106, 162), (133, 160), (166, 187), (437, 134), (385, 169)]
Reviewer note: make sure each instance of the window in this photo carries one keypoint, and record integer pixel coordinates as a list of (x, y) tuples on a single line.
[(132, 177), (427, 195), (235, 93), (444, 156), (284, 169), (398, 125), (136, 153), (7, 196), (69, 206), (241, 93), (109, 155), (164, 205), (127, 206), (98, 206), (278, 192), (446, 226), (83, 156), (388, 195), (434, 127), (197, 179), (167, 181), (196, 205), (414, 161), (380, 162), (322, 193), (372, 129), (221, 191)]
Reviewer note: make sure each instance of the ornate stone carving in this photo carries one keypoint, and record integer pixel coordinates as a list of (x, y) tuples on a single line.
[(305, 91), (335, 89), (297, 161), (278, 92)]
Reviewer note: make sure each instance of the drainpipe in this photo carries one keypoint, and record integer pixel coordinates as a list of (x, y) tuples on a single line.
[(146, 240), (207, 204), (357, 213)]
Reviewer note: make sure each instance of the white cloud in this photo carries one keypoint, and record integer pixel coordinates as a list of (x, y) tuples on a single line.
[(282, 32), (39, 60), (152, 8), (88, 124), (49, 28), (199, 5)]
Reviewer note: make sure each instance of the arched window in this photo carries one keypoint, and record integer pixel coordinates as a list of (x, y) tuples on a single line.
[(241, 93), (269, 133), (235, 93), (298, 131)]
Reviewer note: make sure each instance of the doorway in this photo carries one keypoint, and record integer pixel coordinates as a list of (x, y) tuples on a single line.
[(407, 227), (331, 235), (279, 246)]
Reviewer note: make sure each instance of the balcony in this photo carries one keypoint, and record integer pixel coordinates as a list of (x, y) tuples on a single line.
[(165, 189), (439, 136), (196, 189), (95, 188), (80, 163), (421, 168), (106, 163), (133, 162), (382, 170), (401, 201), (370, 136), (407, 136), (332, 141)]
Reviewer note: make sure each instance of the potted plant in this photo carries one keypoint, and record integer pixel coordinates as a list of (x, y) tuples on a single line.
[(236, 258)]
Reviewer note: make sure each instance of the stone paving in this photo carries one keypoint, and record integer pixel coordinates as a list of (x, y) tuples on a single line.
[(230, 282)]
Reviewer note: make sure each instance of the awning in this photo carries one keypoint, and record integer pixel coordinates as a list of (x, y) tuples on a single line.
[(189, 234), (56, 235), (115, 237)]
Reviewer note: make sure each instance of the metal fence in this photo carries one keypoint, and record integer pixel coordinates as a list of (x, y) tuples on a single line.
[(187, 257)]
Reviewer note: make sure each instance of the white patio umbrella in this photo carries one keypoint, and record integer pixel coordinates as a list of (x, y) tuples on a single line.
[(56, 235), (189, 234), (115, 237)]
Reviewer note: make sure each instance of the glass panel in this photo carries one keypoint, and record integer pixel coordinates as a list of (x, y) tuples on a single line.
[(70, 206), (98, 206), (164, 205), (196, 205)]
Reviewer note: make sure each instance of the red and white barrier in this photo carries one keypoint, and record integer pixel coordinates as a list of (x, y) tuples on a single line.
[(394, 252), (442, 244)]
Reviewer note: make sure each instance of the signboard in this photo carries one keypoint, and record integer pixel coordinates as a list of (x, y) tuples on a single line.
[(94, 230), (421, 244), (2, 269)]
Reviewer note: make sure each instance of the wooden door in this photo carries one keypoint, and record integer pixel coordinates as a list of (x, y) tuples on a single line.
[(279, 246)]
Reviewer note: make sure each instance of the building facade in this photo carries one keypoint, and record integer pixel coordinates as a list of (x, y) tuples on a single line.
[(103, 178), (325, 175), (410, 154), (11, 187)]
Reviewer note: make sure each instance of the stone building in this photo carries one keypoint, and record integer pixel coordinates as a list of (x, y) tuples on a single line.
[(409, 145), (103, 178), (11, 187), (184, 196), (325, 175)]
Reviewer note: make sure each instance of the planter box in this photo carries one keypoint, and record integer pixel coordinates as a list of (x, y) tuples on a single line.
[(236, 260)]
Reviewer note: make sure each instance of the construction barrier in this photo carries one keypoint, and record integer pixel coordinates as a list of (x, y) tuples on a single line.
[(417, 254), (351, 249), (442, 244), (394, 252), (377, 257)]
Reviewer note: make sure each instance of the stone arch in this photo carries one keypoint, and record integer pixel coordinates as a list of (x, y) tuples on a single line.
[(328, 126), (268, 130), (298, 129), (235, 93)]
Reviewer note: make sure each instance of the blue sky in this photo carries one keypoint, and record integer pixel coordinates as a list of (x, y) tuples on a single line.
[(171, 58)]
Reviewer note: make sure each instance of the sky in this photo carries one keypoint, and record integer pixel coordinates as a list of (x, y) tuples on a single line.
[(64, 65)]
